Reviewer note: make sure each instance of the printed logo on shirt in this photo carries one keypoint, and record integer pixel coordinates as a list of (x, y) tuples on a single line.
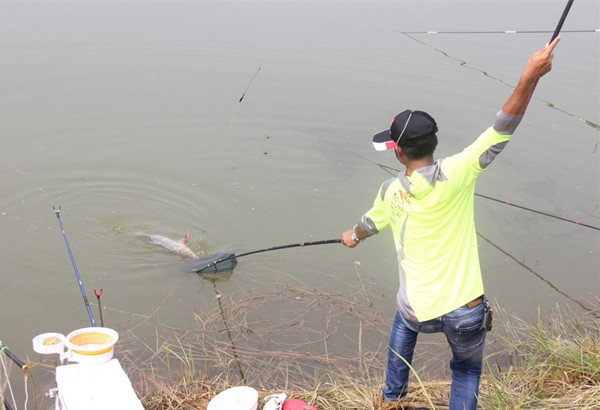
[(404, 196), (397, 205)]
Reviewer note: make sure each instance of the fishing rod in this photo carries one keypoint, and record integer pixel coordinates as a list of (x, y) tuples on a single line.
[(222, 262), (465, 64), (563, 17), (22, 365), (81, 288), (561, 21), (501, 32), (18, 362), (554, 35)]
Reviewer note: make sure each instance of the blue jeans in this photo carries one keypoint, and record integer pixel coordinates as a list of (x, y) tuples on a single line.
[(466, 340)]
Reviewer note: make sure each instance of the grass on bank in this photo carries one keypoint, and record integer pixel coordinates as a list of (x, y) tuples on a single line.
[(551, 364)]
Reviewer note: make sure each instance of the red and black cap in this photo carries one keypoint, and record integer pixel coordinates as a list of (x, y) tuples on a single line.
[(409, 129)]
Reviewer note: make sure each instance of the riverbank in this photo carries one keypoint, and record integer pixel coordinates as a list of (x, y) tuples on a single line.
[(552, 363)]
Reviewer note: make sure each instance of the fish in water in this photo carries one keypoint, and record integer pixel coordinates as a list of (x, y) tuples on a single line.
[(181, 247)]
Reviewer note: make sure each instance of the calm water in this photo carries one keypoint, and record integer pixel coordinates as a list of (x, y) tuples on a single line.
[(126, 114)]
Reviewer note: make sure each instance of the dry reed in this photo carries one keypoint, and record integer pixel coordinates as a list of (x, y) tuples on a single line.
[(329, 349)]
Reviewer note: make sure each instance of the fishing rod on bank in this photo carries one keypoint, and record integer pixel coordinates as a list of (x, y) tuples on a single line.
[(81, 288), (22, 365)]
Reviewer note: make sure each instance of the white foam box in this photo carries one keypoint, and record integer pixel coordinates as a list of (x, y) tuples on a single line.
[(95, 387)]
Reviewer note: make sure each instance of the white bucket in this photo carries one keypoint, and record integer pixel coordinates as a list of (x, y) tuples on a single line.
[(91, 345), (235, 398)]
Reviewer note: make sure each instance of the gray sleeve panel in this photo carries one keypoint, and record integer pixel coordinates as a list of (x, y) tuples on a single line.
[(385, 186), (402, 303), (367, 226), (492, 152), (506, 123)]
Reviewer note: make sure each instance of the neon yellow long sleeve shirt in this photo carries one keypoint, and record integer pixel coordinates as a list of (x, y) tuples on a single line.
[(431, 215)]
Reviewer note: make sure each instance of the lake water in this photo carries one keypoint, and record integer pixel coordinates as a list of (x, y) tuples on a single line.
[(127, 115)]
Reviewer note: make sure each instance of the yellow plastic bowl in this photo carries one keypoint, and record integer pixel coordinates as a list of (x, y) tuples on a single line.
[(91, 341)]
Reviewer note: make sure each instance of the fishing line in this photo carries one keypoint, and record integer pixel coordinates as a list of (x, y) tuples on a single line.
[(539, 276), (465, 64), (240, 101), (25, 377), (81, 288), (539, 212), (394, 171), (228, 331)]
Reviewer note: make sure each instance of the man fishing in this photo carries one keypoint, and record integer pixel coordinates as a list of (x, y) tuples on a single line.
[(430, 209)]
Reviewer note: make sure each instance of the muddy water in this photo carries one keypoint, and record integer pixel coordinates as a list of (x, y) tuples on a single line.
[(128, 116)]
